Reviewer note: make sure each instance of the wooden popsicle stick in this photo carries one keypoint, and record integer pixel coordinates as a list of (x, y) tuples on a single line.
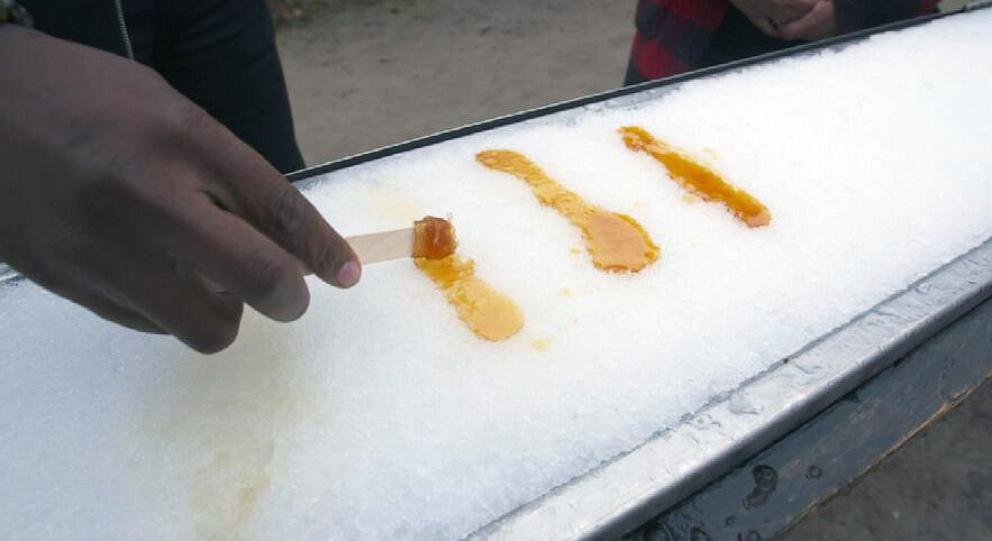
[(384, 246)]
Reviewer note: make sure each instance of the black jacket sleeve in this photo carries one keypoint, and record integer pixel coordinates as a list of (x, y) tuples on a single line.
[(860, 14)]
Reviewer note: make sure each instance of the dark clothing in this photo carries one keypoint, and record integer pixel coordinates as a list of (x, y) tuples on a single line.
[(221, 54), (675, 36), (738, 38), (672, 36)]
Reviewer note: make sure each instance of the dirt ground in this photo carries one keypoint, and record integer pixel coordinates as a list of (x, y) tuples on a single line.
[(368, 73)]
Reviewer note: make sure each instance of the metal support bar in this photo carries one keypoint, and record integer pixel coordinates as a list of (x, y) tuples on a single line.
[(773, 490)]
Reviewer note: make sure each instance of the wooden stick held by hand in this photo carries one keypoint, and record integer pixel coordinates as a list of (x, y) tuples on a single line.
[(432, 238)]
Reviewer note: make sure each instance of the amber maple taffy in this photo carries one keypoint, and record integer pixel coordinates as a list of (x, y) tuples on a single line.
[(487, 312), (431, 237), (697, 178), (616, 242)]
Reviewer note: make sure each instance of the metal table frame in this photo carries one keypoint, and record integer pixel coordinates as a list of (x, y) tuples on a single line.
[(775, 489)]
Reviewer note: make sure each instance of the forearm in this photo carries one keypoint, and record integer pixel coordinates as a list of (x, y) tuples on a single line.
[(860, 14)]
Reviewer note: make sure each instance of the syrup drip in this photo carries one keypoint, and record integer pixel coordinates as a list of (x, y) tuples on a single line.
[(616, 242), (697, 178)]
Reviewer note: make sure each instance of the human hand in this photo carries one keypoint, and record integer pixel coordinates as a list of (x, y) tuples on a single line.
[(123, 196), (819, 23), (768, 15)]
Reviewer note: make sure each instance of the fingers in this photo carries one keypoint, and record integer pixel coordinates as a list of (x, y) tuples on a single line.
[(141, 282), (204, 320), (245, 184), (784, 11), (141, 288), (122, 316), (766, 26), (279, 211), (231, 254), (760, 19), (820, 23), (112, 311), (68, 281), (770, 15)]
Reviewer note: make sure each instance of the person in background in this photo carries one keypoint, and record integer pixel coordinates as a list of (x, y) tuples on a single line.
[(676, 36), (142, 146)]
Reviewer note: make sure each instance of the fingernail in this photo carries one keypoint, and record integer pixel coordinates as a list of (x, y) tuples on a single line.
[(349, 273)]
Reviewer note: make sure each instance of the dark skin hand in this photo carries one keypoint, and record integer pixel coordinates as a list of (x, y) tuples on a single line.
[(125, 197), (819, 23), (768, 15)]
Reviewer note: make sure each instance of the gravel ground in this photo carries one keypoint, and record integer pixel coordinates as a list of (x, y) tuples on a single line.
[(368, 73)]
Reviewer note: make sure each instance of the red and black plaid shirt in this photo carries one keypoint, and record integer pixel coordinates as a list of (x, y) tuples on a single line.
[(673, 36)]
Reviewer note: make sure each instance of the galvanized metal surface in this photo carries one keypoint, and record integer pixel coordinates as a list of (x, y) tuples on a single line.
[(776, 488)]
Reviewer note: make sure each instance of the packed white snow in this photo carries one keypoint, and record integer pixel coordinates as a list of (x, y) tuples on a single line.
[(379, 415)]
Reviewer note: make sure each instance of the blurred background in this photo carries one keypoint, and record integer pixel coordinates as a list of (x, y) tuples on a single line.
[(368, 73)]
